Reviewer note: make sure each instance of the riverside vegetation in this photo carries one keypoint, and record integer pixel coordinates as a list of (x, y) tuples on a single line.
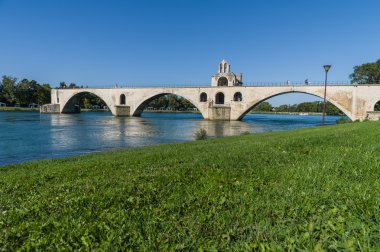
[(309, 189)]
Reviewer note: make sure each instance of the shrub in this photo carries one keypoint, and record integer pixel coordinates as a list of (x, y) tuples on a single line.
[(201, 134)]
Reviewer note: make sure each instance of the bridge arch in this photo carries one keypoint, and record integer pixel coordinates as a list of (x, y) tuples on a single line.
[(376, 106), (139, 108), (71, 104), (254, 103)]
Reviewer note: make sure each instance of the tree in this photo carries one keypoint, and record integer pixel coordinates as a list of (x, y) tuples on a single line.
[(24, 92), (1, 92), (368, 73), (73, 85), (263, 107), (8, 89), (43, 94), (282, 108), (62, 84)]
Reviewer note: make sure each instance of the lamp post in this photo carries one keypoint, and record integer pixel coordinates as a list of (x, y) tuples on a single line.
[(327, 68)]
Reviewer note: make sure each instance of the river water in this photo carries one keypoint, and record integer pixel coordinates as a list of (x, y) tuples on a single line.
[(29, 136)]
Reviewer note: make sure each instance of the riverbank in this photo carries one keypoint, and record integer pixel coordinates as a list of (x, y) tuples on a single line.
[(308, 189), (18, 109), (290, 113)]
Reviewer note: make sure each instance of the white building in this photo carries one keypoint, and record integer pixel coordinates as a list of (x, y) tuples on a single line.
[(225, 77)]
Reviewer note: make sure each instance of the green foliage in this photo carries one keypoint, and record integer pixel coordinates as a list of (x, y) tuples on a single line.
[(170, 101), (368, 73), (88, 99), (201, 134), (24, 92), (8, 89), (1, 92), (43, 94), (303, 190), (313, 107), (62, 84), (263, 107)]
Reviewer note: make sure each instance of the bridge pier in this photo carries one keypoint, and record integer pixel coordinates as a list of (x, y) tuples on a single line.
[(50, 109), (219, 113), (122, 110)]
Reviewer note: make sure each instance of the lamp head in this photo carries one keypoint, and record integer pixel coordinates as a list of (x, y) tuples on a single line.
[(327, 68)]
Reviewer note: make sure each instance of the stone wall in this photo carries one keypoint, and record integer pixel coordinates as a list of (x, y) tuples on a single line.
[(219, 113), (50, 108), (122, 110), (373, 115)]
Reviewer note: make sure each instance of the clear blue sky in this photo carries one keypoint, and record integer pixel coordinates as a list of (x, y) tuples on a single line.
[(101, 43)]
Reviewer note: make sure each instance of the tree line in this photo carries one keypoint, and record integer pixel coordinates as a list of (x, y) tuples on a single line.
[(170, 102), (24, 92), (309, 107)]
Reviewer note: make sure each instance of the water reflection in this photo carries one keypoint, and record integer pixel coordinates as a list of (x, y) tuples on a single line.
[(28, 136)]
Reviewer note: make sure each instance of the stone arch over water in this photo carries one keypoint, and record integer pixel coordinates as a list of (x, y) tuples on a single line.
[(142, 104), (72, 105), (254, 103)]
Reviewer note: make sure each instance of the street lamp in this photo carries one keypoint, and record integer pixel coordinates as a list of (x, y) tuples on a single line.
[(327, 68)]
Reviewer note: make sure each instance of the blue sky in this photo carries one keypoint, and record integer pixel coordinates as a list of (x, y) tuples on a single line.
[(103, 43)]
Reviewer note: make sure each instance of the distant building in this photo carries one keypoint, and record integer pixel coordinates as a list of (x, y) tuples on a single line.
[(2, 104), (225, 77)]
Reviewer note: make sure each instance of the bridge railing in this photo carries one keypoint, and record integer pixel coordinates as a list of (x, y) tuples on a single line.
[(245, 84), (297, 83)]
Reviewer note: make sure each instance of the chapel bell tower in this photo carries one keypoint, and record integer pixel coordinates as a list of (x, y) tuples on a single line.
[(225, 77)]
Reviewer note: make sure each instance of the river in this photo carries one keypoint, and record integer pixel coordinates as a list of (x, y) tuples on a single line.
[(28, 136)]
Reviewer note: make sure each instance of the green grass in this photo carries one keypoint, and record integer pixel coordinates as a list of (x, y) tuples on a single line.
[(309, 189), (18, 109)]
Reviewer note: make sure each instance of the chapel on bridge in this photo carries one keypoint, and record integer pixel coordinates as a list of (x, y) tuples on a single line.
[(225, 77)]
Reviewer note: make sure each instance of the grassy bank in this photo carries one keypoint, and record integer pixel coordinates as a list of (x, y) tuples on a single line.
[(315, 188), (171, 111), (5, 109)]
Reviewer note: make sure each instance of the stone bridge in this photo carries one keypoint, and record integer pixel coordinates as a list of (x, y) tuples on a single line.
[(222, 102)]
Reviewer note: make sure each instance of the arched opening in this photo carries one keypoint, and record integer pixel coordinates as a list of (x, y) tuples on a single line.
[(377, 106), (225, 67), (220, 68), (84, 101), (165, 102), (222, 81), (297, 107), (238, 97), (122, 99), (219, 98), (203, 97)]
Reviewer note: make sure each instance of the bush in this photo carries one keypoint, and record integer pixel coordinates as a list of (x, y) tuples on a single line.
[(201, 134)]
